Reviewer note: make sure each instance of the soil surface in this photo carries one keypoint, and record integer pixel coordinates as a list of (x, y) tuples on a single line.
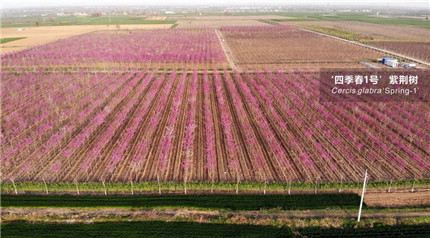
[(397, 199), (103, 213)]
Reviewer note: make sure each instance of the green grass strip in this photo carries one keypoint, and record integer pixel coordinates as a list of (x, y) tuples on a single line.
[(6, 40), (193, 229), (139, 229), (268, 21), (356, 17), (333, 32), (119, 187), (89, 21), (375, 231), (227, 202)]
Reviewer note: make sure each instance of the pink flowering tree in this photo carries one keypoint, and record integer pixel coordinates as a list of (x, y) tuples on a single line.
[(188, 146), (209, 130)]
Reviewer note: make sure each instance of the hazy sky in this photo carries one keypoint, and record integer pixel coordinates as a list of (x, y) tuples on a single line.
[(54, 3)]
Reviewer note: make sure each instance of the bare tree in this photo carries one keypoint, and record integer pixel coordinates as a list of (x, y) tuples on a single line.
[(104, 185), (76, 181), (13, 184)]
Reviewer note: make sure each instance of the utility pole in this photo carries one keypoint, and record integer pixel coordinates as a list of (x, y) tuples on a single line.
[(362, 195)]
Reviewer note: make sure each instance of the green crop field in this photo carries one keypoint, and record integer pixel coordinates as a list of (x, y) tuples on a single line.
[(139, 229), (6, 40), (152, 186), (334, 32), (81, 20), (355, 17), (226, 202), (189, 229)]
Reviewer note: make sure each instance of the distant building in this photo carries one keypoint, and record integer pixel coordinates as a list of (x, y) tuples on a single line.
[(80, 14)]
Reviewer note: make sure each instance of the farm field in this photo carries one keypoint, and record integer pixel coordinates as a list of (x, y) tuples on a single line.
[(393, 20), (36, 36), (152, 125), (83, 21), (198, 48), (218, 23), (218, 17), (286, 47), (405, 40), (200, 202), (173, 122), (287, 214), (6, 40), (136, 229), (417, 50), (371, 31), (398, 199), (181, 228)]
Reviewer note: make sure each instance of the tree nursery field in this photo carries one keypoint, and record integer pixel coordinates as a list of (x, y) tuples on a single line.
[(285, 47), (146, 125), (418, 50), (174, 48), (213, 124), (84, 124)]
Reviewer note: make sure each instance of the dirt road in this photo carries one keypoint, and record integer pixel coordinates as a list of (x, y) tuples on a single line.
[(227, 51), (100, 213)]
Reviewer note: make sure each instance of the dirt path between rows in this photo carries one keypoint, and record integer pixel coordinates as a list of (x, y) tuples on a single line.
[(227, 51), (80, 215)]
